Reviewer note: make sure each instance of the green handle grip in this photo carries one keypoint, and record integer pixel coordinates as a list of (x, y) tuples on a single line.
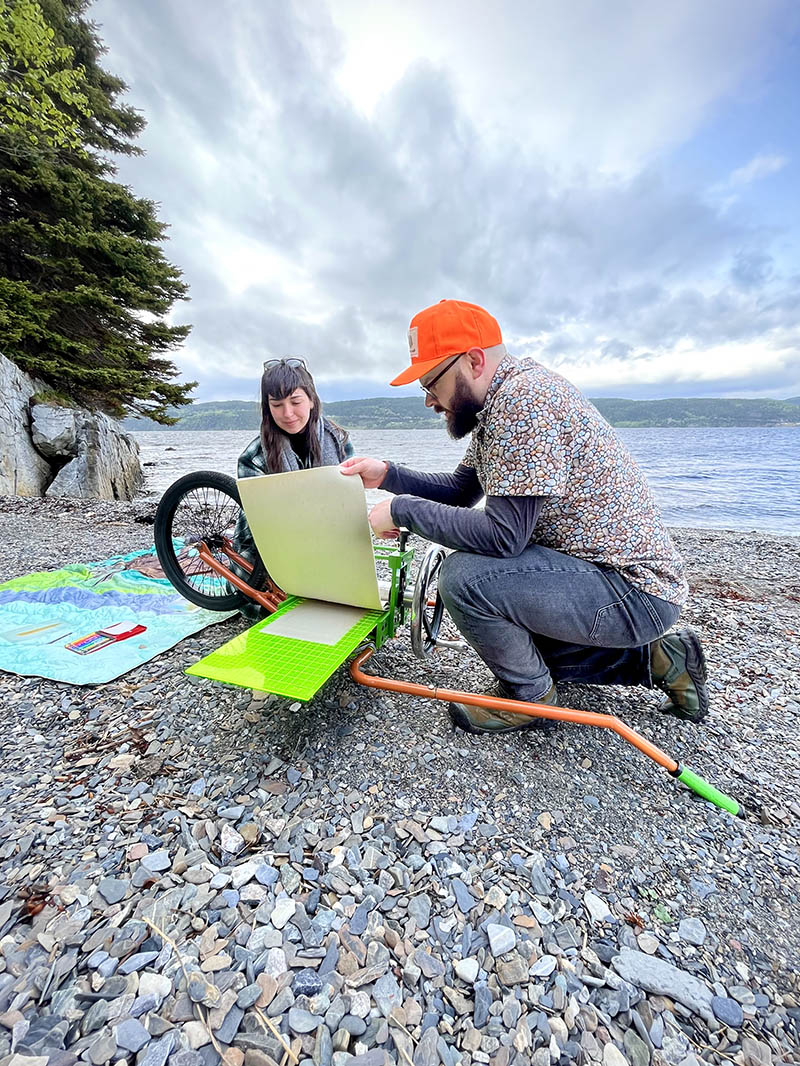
[(702, 788)]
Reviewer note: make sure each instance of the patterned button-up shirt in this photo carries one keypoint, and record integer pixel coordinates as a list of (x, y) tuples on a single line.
[(537, 435)]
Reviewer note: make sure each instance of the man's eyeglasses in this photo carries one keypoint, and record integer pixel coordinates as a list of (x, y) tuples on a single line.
[(428, 389), (294, 363)]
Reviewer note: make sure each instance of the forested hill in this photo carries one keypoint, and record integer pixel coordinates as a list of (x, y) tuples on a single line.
[(409, 412)]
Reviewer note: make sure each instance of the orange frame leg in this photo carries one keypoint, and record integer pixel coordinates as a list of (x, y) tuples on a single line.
[(269, 598), (533, 710)]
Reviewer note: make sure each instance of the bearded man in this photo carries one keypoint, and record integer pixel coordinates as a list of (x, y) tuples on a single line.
[(568, 573)]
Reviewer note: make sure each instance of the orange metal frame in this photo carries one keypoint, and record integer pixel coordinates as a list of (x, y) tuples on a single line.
[(533, 710), (270, 598)]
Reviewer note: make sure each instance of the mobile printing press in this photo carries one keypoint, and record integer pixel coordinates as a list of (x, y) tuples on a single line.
[(307, 635)]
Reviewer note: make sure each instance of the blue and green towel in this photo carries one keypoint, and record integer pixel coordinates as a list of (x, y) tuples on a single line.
[(40, 614)]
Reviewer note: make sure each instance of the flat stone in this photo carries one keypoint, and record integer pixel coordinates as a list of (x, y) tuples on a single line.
[(596, 907), (113, 890), (501, 939), (426, 1052), (186, 1057), (756, 1052), (483, 1001), (158, 1051), (215, 963), (512, 969), (302, 1021), (612, 1056), (727, 1011), (387, 994), (157, 861), (101, 1051), (269, 986), (648, 943), (284, 910), (692, 931), (154, 984), (360, 1004), (742, 994), (266, 874), (131, 1035), (230, 1025), (429, 964), (358, 923), (138, 961), (657, 975), (467, 969), (543, 966), (231, 841), (248, 996), (95, 1018), (276, 962), (218, 1014), (464, 898), (635, 1048), (245, 872), (196, 1034), (353, 1025), (419, 908)]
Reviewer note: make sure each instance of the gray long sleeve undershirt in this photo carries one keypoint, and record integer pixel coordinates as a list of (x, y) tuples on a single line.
[(440, 508)]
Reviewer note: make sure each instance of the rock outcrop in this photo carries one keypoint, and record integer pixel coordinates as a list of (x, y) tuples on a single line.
[(47, 449)]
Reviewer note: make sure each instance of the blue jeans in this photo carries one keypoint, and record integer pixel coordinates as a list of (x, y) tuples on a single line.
[(545, 616)]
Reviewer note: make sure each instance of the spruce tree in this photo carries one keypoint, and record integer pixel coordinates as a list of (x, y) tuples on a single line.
[(84, 284)]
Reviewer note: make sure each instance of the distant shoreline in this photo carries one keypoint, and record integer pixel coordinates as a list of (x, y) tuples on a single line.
[(435, 428), (410, 413)]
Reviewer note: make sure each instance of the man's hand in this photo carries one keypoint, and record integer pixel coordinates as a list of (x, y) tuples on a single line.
[(371, 471), (380, 518)]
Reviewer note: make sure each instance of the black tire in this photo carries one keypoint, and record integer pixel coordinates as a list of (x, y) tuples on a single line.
[(426, 620), (204, 506)]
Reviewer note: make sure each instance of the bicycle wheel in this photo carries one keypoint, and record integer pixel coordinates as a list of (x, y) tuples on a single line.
[(201, 508)]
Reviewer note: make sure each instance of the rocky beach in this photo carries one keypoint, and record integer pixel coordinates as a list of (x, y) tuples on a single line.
[(192, 873)]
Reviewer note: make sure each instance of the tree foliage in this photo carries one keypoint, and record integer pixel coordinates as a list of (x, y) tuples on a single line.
[(40, 87), (84, 285)]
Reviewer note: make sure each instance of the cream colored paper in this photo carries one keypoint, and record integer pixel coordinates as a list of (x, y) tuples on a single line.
[(315, 620), (311, 530)]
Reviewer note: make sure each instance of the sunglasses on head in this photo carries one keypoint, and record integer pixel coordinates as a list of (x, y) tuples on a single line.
[(294, 363)]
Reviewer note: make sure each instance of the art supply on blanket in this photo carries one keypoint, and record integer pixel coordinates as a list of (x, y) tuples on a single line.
[(111, 634), (41, 634), (41, 613)]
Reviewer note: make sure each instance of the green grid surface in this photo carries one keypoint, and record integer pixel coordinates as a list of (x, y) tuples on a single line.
[(286, 667)]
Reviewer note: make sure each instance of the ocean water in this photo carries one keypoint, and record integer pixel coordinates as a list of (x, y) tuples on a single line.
[(710, 478)]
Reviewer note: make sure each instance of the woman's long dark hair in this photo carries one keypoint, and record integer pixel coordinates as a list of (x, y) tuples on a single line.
[(279, 381)]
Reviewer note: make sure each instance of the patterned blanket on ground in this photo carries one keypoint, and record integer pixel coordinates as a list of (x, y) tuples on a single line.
[(89, 624)]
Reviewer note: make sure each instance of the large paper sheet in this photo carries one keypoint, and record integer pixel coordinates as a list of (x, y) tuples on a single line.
[(314, 620), (311, 530)]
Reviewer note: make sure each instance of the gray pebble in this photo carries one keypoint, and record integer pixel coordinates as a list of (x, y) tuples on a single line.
[(131, 1035), (727, 1011)]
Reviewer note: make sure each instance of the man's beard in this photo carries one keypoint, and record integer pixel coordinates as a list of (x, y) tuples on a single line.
[(462, 417)]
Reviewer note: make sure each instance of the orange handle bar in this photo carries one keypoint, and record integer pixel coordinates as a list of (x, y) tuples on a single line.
[(533, 710)]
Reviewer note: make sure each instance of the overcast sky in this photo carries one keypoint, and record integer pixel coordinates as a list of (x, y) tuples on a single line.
[(617, 182)]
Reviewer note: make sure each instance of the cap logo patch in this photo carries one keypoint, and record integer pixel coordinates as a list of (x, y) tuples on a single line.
[(412, 342)]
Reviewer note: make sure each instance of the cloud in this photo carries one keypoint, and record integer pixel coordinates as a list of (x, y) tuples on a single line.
[(604, 86), (308, 223), (760, 166)]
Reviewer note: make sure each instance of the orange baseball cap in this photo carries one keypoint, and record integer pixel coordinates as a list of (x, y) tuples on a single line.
[(445, 329)]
